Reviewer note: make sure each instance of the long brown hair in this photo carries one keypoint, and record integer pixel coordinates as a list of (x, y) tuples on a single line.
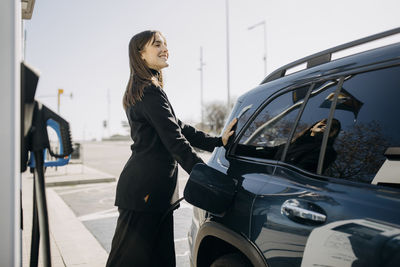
[(140, 74)]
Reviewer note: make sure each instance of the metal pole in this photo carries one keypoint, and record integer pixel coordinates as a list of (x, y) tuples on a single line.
[(58, 103), (265, 47), (59, 92), (108, 112), (201, 86), (227, 55)]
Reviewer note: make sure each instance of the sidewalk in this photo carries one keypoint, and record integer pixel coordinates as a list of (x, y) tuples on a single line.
[(70, 242)]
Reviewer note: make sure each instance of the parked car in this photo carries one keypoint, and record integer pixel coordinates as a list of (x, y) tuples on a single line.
[(312, 174)]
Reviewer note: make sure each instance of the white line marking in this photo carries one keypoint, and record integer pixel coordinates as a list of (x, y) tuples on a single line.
[(110, 213), (86, 188)]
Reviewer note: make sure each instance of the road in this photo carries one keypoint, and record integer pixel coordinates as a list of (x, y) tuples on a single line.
[(93, 204)]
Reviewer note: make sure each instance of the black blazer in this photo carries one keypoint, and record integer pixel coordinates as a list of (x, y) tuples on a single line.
[(160, 140)]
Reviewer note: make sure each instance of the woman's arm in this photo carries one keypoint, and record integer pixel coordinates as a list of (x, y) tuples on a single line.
[(159, 114), (203, 140), (199, 138)]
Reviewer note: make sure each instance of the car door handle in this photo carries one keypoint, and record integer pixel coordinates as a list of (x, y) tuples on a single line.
[(293, 210)]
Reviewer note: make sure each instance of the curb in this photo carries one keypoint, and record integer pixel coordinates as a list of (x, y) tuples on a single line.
[(77, 246), (71, 242), (80, 182), (76, 174)]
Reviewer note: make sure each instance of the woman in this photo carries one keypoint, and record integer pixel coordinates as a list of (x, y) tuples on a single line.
[(148, 183), (305, 148)]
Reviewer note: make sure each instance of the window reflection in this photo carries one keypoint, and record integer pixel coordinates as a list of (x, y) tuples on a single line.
[(269, 131), (305, 147), (369, 112), (364, 125)]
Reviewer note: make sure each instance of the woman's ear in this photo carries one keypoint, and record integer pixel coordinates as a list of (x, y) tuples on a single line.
[(141, 53)]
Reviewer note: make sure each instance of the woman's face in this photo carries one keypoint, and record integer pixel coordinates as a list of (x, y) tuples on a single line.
[(155, 53)]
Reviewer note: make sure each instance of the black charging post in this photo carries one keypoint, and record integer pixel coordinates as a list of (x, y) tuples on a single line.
[(34, 138)]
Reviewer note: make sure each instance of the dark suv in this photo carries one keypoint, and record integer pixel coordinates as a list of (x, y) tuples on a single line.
[(312, 175)]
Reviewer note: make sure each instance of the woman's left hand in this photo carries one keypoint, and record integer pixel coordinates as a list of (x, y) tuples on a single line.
[(228, 132)]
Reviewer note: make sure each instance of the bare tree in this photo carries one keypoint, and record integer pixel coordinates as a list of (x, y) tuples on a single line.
[(215, 114), (360, 152)]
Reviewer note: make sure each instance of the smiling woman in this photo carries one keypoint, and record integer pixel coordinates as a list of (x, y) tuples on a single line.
[(156, 54), (145, 51), (147, 187)]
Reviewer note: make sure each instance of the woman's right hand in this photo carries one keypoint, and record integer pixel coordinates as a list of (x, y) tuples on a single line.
[(228, 132)]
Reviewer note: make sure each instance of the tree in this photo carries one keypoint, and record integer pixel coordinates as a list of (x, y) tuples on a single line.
[(360, 151), (215, 114)]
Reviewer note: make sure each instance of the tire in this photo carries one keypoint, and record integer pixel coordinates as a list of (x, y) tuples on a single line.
[(231, 260)]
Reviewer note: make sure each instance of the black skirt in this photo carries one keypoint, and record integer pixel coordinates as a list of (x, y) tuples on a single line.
[(141, 239)]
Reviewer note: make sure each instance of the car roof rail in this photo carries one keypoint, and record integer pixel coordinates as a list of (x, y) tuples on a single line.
[(326, 55)]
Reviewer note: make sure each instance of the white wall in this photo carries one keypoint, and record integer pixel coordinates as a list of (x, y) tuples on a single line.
[(10, 18)]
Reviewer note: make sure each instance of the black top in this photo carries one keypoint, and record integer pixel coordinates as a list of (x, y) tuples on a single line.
[(304, 153), (148, 179)]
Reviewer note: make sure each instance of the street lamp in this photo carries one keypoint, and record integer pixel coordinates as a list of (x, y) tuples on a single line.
[(227, 54), (264, 24), (59, 93), (201, 86)]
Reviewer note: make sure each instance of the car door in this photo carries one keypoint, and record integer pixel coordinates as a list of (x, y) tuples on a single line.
[(255, 156), (338, 132)]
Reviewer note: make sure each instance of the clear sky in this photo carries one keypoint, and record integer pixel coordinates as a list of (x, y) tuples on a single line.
[(82, 47)]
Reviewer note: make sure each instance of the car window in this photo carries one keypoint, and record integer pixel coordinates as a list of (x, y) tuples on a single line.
[(305, 146), (267, 134), (368, 109)]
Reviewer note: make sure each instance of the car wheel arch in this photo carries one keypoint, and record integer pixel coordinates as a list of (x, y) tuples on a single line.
[(227, 240)]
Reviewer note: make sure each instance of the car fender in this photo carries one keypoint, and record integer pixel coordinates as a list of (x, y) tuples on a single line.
[(240, 242)]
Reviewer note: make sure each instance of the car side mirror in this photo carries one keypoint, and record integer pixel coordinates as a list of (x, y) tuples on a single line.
[(209, 189)]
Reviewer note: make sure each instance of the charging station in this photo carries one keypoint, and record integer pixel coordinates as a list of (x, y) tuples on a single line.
[(24, 122)]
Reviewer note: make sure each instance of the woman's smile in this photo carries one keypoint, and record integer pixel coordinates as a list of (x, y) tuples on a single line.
[(155, 53)]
